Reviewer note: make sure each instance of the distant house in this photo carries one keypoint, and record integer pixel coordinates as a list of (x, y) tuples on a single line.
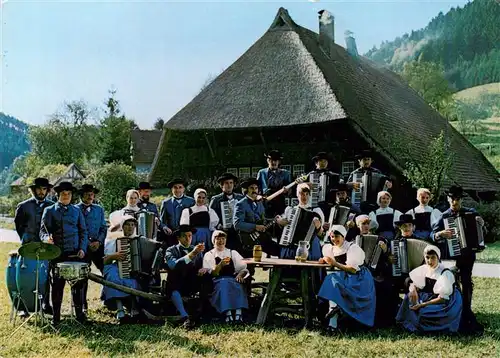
[(72, 174), (299, 92), (144, 146)]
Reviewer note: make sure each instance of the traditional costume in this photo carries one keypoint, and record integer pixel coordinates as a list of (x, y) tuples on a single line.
[(272, 180), (228, 294), (113, 297), (66, 225), (203, 219), (353, 293), (430, 283), (383, 220)]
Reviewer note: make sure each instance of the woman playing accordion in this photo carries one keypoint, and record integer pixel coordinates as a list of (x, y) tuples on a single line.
[(288, 252)]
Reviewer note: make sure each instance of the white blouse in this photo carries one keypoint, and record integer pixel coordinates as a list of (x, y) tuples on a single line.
[(444, 281), (435, 213), (355, 254), (382, 211), (316, 210), (209, 259), (214, 219)]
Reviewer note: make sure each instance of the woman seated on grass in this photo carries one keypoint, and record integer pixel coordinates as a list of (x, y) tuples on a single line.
[(229, 272), (349, 288), (114, 298), (433, 303)]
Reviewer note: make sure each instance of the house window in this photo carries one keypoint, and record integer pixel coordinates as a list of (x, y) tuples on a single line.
[(298, 169), (233, 171), (347, 168), (286, 167), (244, 173), (255, 171)]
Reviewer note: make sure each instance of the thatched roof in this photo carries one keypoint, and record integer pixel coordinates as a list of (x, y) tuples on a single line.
[(144, 145), (287, 79)]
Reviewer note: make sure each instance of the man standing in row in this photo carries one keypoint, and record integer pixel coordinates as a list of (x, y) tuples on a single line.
[(272, 179), (227, 181), (63, 225), (28, 219), (95, 222)]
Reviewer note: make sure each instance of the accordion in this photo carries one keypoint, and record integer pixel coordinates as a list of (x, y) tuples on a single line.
[(409, 254), (369, 244), (339, 215), (140, 253), (319, 188), (467, 233), (227, 209), (371, 183), (300, 227), (146, 224)]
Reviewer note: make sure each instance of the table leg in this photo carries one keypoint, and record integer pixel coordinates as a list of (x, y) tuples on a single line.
[(305, 284), (274, 281)]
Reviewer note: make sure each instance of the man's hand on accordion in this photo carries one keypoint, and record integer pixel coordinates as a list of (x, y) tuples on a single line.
[(480, 220), (120, 256), (80, 254), (282, 222), (383, 246), (447, 234)]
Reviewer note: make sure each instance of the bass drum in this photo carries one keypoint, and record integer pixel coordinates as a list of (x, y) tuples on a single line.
[(10, 276), (26, 280)]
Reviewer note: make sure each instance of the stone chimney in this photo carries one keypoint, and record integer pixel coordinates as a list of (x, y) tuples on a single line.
[(326, 30), (350, 44)]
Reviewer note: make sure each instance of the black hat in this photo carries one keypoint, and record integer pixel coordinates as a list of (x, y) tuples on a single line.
[(184, 228), (341, 187), (367, 153), (405, 219), (320, 156), (227, 176), (64, 186), (87, 188), (144, 185), (274, 155), (176, 181), (41, 182), (455, 191), (247, 182)]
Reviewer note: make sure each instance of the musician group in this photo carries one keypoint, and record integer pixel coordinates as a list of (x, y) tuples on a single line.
[(373, 251)]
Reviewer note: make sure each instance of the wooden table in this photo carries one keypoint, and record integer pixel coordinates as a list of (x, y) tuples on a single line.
[(307, 270)]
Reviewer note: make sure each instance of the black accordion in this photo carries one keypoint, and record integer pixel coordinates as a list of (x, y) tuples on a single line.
[(369, 244), (408, 253), (140, 253), (467, 234), (300, 226), (319, 189), (371, 183), (339, 215)]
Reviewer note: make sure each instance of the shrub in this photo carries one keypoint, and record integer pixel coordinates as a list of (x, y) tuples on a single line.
[(490, 212), (113, 180)]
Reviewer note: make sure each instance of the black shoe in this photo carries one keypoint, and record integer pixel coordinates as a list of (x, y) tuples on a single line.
[(331, 331), (47, 309), (188, 323), (332, 312), (81, 318), (56, 321), (22, 314)]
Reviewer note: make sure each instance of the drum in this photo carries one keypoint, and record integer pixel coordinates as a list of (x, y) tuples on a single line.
[(10, 275), (146, 224), (72, 271), (26, 280)]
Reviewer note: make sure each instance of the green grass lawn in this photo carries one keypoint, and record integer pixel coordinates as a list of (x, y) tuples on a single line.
[(105, 338), (491, 254)]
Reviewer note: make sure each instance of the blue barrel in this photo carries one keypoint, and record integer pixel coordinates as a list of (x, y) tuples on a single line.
[(10, 275), (26, 280)]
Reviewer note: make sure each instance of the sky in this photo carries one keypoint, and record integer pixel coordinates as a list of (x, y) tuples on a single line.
[(158, 54)]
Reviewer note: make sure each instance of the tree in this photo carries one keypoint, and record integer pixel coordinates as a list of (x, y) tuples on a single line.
[(159, 124), (115, 133), (428, 80), (432, 169), (68, 137), (113, 179)]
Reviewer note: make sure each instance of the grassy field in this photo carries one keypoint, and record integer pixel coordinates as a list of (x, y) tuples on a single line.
[(491, 255), (105, 338), (474, 92)]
